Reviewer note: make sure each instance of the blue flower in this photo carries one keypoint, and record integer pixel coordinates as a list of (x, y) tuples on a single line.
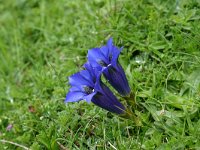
[(106, 57), (87, 85)]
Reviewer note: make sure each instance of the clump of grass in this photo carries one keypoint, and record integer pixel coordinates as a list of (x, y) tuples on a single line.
[(41, 43)]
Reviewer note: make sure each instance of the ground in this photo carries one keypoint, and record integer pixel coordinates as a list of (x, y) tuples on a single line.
[(44, 42)]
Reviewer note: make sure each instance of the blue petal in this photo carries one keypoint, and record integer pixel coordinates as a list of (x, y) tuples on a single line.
[(105, 51), (117, 78), (106, 99), (86, 74), (74, 89), (109, 102), (115, 56), (78, 79), (98, 83), (89, 97), (74, 96), (109, 45), (87, 66), (94, 71), (95, 56)]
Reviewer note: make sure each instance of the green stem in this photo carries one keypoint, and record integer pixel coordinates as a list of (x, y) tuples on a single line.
[(131, 107), (131, 100), (131, 115)]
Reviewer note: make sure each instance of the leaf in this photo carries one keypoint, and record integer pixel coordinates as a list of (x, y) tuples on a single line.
[(192, 84), (158, 45), (42, 138), (178, 101), (35, 146)]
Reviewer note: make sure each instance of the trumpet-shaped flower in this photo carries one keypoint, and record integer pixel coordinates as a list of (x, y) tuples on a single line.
[(87, 85), (106, 57)]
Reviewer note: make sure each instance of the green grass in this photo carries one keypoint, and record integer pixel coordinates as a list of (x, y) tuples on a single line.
[(44, 42)]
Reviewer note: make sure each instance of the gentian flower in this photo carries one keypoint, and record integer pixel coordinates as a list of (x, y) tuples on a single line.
[(87, 85), (106, 57), (9, 127)]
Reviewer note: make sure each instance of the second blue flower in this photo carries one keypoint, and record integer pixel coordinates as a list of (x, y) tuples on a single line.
[(106, 57)]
